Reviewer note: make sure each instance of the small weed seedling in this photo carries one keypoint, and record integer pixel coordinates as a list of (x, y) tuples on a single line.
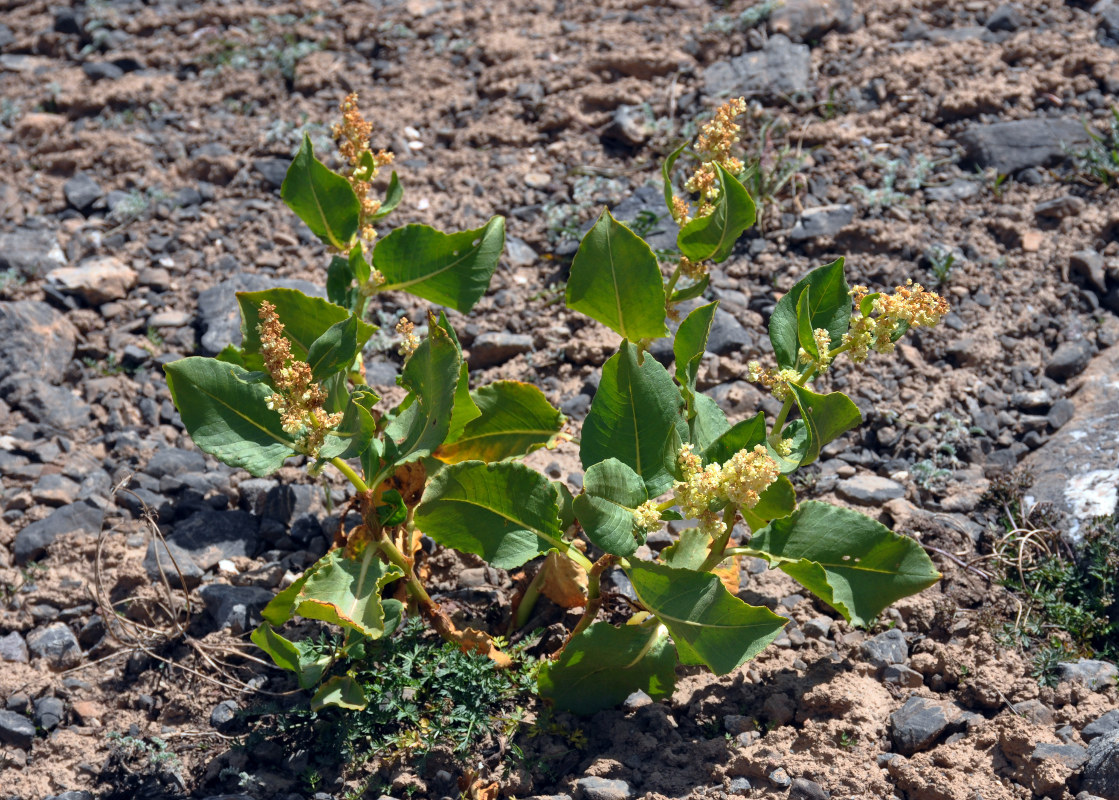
[(1099, 161), (444, 462)]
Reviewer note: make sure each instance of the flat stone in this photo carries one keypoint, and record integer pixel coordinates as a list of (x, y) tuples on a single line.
[(174, 461), (647, 204), (821, 221), (32, 253), (32, 542), (804, 789), (1089, 673), (235, 607), (1100, 774), (169, 319), (210, 536), (901, 675), (1101, 726), (728, 336), (49, 713), (1036, 711), (1077, 470), (38, 341), (54, 489), (869, 490), (518, 252), (97, 280), (178, 565), (595, 788), (221, 316), (491, 349), (16, 730), (57, 407), (13, 648), (223, 717), (888, 647), (55, 644), (82, 191), (954, 192), (272, 170), (1089, 266), (1018, 144), (809, 20), (917, 725), (781, 68), (1069, 359), (1059, 207)]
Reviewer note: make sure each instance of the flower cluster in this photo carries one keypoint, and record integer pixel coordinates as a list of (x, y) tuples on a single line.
[(777, 381), (297, 398), (352, 135), (409, 341), (647, 516), (714, 143), (740, 481), (909, 307)]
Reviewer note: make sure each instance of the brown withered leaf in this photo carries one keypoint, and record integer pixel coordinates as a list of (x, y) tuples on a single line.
[(728, 573), (475, 641), (565, 582), (409, 480)]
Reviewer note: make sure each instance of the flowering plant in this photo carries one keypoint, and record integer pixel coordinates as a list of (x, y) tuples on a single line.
[(444, 461)]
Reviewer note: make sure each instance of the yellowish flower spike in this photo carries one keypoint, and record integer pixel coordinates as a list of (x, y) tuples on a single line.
[(353, 135), (740, 481), (910, 304), (647, 516), (409, 341), (297, 398)]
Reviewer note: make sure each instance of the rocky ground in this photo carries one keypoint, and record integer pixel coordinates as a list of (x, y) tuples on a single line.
[(142, 145)]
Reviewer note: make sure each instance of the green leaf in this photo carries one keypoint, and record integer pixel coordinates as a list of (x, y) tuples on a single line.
[(341, 691), (691, 343), (855, 564), (514, 419), (709, 625), (778, 500), (307, 664), (611, 492), (689, 551), (281, 608), (393, 195), (604, 665), (712, 237), (692, 291), (829, 307), (615, 279), (391, 511), (336, 349), (566, 504), (340, 288), (827, 417), (305, 319), (465, 409), (504, 512), (227, 417), (708, 424), (666, 175), (431, 375), (743, 436), (801, 437), (451, 269), (231, 354), (347, 592), (805, 334), (356, 430), (324, 200), (634, 418)]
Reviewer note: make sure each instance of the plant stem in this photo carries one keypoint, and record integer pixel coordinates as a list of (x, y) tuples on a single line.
[(779, 422), (529, 598), (415, 588), (350, 474), (719, 546), (594, 596), (671, 285)]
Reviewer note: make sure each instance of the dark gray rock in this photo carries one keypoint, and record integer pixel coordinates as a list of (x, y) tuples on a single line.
[(1059, 207), (82, 191), (491, 349), (49, 713), (55, 644), (174, 461), (16, 730), (54, 406), (1108, 22), (1018, 144), (224, 716), (804, 789), (647, 203), (869, 490), (595, 788), (1060, 414), (781, 68), (273, 170), (38, 341), (888, 647), (629, 126), (809, 20), (32, 542), (210, 536), (1069, 755), (1069, 359), (1100, 774), (30, 252), (1101, 726), (901, 675), (817, 627), (822, 221), (728, 336), (917, 725), (220, 315), (284, 502), (235, 607), (1035, 711), (13, 648), (78, 794), (954, 192), (102, 71), (1005, 18), (1089, 266), (1089, 673), (178, 565)]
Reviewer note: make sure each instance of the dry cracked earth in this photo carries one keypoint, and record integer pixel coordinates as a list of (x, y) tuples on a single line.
[(142, 145)]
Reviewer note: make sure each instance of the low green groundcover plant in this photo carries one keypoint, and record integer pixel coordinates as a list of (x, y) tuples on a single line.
[(444, 462)]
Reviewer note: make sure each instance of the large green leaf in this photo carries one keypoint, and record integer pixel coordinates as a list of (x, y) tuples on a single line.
[(347, 592), (336, 349), (829, 307), (848, 560), (709, 625), (713, 236), (356, 430), (465, 409), (306, 661), (708, 424), (615, 279), (604, 665), (514, 419), (743, 436), (691, 343), (611, 492), (393, 195), (342, 691), (452, 269), (634, 418), (431, 375), (305, 319), (504, 512), (324, 200), (689, 551), (826, 415), (227, 416)]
